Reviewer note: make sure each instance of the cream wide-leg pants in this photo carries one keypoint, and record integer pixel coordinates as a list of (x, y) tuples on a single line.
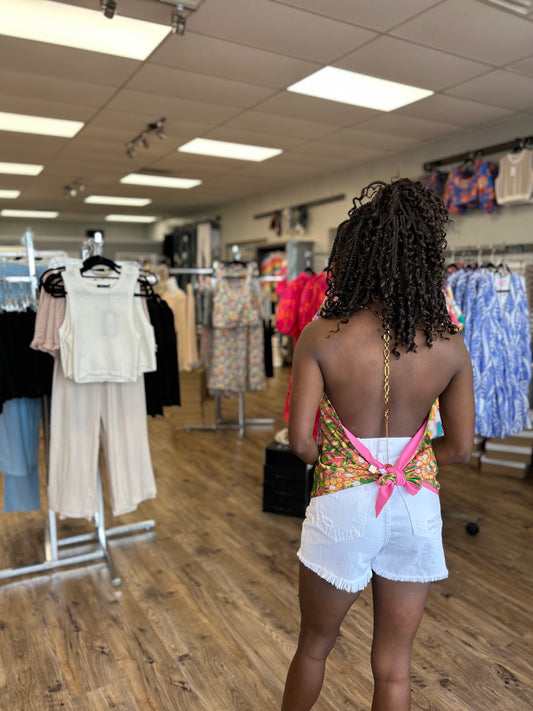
[(81, 415)]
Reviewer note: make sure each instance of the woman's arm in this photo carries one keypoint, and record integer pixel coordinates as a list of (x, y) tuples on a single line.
[(306, 393), (457, 411)]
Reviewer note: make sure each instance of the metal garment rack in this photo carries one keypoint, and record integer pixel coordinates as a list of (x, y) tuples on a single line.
[(242, 422), (52, 542)]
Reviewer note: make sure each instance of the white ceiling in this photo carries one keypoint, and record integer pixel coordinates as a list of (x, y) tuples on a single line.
[(226, 79)]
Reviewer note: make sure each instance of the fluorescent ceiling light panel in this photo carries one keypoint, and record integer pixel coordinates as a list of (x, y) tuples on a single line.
[(225, 149), (9, 194), (110, 200), (44, 214), (347, 87), (130, 218), (78, 27), (159, 181), (21, 123), (21, 168)]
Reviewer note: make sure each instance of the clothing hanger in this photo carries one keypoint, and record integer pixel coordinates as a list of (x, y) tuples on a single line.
[(52, 281), (98, 261)]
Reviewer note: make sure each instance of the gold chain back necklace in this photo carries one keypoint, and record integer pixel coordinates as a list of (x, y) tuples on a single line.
[(386, 372)]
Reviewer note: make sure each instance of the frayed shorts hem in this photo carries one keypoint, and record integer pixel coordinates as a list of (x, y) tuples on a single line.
[(352, 586), (359, 585), (411, 578)]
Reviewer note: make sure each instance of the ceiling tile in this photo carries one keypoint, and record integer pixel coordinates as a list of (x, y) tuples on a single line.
[(473, 30), (450, 109), (253, 138), (156, 79), (370, 139), (63, 62), (130, 124), (355, 153), (64, 91), (278, 28), (299, 106), (367, 13), (50, 109), (407, 126), (500, 88), (525, 66), (221, 58), (397, 60), (283, 125), (168, 106), (194, 165), (28, 148)]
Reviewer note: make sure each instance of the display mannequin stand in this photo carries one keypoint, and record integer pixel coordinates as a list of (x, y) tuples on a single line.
[(239, 425)]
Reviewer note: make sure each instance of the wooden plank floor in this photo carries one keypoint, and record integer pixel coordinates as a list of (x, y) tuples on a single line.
[(207, 614)]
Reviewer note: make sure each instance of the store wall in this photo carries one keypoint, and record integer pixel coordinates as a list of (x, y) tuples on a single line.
[(69, 237), (510, 225)]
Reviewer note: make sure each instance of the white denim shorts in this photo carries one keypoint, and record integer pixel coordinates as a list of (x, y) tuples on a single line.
[(344, 543)]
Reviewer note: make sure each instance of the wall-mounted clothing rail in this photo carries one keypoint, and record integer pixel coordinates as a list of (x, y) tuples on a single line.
[(311, 203), (502, 250), (174, 271), (515, 144)]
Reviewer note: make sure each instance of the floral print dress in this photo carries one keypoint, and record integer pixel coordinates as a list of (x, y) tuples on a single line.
[(237, 351)]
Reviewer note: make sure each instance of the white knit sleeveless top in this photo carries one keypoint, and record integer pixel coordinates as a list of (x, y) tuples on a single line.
[(106, 336)]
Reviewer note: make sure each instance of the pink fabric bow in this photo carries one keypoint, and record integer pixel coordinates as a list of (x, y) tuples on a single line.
[(392, 476)]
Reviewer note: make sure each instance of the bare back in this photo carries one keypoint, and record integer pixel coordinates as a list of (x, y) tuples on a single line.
[(348, 365)]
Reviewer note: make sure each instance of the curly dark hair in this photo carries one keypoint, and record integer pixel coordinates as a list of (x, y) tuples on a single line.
[(391, 250)]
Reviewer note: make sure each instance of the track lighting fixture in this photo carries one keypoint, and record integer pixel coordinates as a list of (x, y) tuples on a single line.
[(179, 14), (73, 188), (108, 7), (178, 20), (156, 127)]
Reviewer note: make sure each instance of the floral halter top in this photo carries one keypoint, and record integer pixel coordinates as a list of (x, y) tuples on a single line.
[(345, 462)]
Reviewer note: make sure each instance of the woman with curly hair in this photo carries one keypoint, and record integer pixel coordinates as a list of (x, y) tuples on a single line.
[(383, 350)]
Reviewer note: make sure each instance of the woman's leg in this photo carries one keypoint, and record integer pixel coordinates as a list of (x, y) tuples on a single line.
[(398, 609), (323, 607)]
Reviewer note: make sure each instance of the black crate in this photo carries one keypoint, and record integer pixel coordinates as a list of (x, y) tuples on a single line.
[(281, 456), (287, 482)]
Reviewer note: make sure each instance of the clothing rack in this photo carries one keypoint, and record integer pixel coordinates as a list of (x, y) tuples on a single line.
[(241, 423), (516, 144), (52, 542), (512, 250), (311, 203)]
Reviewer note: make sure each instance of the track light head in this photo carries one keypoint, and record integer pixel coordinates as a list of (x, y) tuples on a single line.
[(178, 20), (73, 188), (108, 7), (157, 127)]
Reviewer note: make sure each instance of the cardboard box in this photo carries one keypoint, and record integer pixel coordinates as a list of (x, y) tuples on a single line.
[(503, 467), (522, 439), (508, 452)]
